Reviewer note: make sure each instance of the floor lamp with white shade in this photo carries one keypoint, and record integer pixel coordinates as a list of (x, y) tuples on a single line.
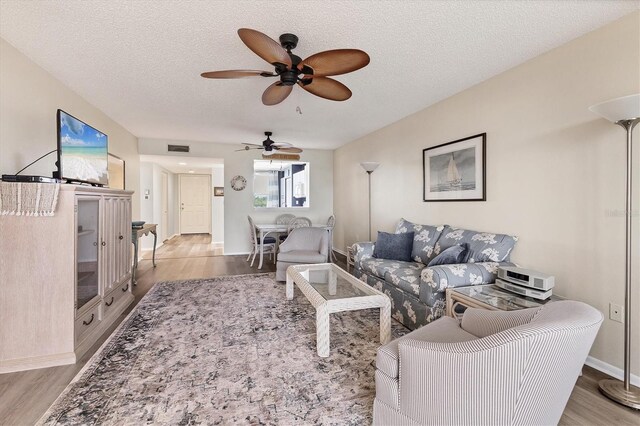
[(369, 167), (624, 112)]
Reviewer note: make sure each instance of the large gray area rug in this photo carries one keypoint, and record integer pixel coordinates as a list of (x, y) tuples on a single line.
[(226, 350)]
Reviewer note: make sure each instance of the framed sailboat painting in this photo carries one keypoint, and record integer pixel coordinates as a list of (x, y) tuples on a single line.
[(455, 171)]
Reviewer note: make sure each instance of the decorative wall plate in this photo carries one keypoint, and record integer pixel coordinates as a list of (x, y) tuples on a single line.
[(238, 183)]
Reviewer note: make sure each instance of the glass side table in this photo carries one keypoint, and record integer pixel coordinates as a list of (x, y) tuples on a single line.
[(488, 296)]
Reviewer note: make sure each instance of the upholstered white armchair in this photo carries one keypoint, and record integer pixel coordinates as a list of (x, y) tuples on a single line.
[(494, 367), (303, 245)]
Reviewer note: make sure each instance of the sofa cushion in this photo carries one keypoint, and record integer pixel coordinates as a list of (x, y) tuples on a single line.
[(436, 279), (302, 256), (483, 246), (394, 246), (452, 255), (406, 278), (424, 239), (443, 330), (379, 267)]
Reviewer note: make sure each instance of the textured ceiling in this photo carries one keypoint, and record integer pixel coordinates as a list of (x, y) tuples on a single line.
[(140, 61)]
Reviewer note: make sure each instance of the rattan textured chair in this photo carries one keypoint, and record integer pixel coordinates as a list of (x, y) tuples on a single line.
[(269, 244), (284, 219), (331, 222), (299, 222)]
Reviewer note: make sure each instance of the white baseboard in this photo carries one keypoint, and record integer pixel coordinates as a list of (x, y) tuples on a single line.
[(611, 370), (241, 253), (342, 252)]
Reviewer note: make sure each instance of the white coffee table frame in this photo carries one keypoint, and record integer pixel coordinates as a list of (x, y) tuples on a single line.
[(324, 307)]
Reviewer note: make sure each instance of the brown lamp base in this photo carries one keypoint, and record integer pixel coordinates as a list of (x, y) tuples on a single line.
[(614, 389)]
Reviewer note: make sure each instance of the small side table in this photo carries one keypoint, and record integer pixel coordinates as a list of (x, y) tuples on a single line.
[(350, 257), (136, 233), (488, 296)]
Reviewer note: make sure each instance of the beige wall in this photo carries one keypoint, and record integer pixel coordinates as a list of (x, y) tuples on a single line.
[(555, 171), (29, 98), (239, 204)]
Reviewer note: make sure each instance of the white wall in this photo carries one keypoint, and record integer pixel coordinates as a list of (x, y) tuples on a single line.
[(146, 201), (29, 98), (151, 205), (555, 171), (239, 204), (217, 209)]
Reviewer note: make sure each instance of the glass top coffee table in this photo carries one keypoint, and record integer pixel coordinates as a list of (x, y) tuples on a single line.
[(489, 296), (331, 289)]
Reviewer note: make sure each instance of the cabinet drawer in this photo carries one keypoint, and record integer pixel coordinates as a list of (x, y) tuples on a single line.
[(88, 322), (112, 300)]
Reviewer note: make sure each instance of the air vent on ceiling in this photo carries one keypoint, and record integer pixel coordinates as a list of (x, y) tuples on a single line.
[(178, 148)]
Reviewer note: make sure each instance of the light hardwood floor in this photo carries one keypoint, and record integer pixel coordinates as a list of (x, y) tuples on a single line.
[(25, 396)]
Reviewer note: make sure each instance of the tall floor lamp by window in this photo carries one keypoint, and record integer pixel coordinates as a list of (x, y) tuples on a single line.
[(369, 167), (624, 112)]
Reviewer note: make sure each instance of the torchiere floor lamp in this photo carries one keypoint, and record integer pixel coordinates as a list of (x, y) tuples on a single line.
[(624, 112), (369, 167)]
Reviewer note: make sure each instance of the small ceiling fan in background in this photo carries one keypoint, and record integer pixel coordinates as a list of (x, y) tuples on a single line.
[(311, 73), (274, 150)]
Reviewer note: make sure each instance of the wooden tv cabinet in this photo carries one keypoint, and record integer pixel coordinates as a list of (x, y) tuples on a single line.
[(64, 279)]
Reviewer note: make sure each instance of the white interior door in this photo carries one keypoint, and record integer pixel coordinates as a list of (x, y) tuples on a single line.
[(195, 204), (164, 207)]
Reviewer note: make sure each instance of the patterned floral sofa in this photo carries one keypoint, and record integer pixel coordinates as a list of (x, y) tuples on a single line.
[(417, 292)]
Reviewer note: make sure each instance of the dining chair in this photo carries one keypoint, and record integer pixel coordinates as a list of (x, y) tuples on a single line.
[(331, 222), (284, 219), (299, 222), (269, 243)]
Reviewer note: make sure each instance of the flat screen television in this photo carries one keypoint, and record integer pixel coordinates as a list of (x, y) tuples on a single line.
[(82, 151)]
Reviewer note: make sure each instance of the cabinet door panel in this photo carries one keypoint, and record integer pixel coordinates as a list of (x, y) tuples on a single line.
[(116, 234), (127, 237), (111, 221), (87, 220)]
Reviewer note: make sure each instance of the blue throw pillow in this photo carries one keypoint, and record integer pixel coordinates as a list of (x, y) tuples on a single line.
[(394, 246), (452, 255)]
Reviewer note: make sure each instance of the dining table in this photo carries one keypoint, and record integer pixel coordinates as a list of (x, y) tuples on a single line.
[(264, 229)]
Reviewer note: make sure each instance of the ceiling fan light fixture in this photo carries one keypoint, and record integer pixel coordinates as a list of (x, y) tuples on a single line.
[(270, 148), (310, 73), (289, 78)]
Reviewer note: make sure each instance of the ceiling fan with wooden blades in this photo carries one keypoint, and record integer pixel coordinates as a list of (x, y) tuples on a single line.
[(311, 73), (270, 147)]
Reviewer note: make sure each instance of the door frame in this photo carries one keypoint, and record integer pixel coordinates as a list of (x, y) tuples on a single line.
[(180, 176), (164, 205)]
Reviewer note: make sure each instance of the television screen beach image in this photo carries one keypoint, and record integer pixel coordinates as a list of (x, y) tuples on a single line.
[(82, 151)]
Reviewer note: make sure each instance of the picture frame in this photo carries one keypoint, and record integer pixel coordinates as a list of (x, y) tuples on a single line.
[(218, 191), (116, 171), (455, 171)]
